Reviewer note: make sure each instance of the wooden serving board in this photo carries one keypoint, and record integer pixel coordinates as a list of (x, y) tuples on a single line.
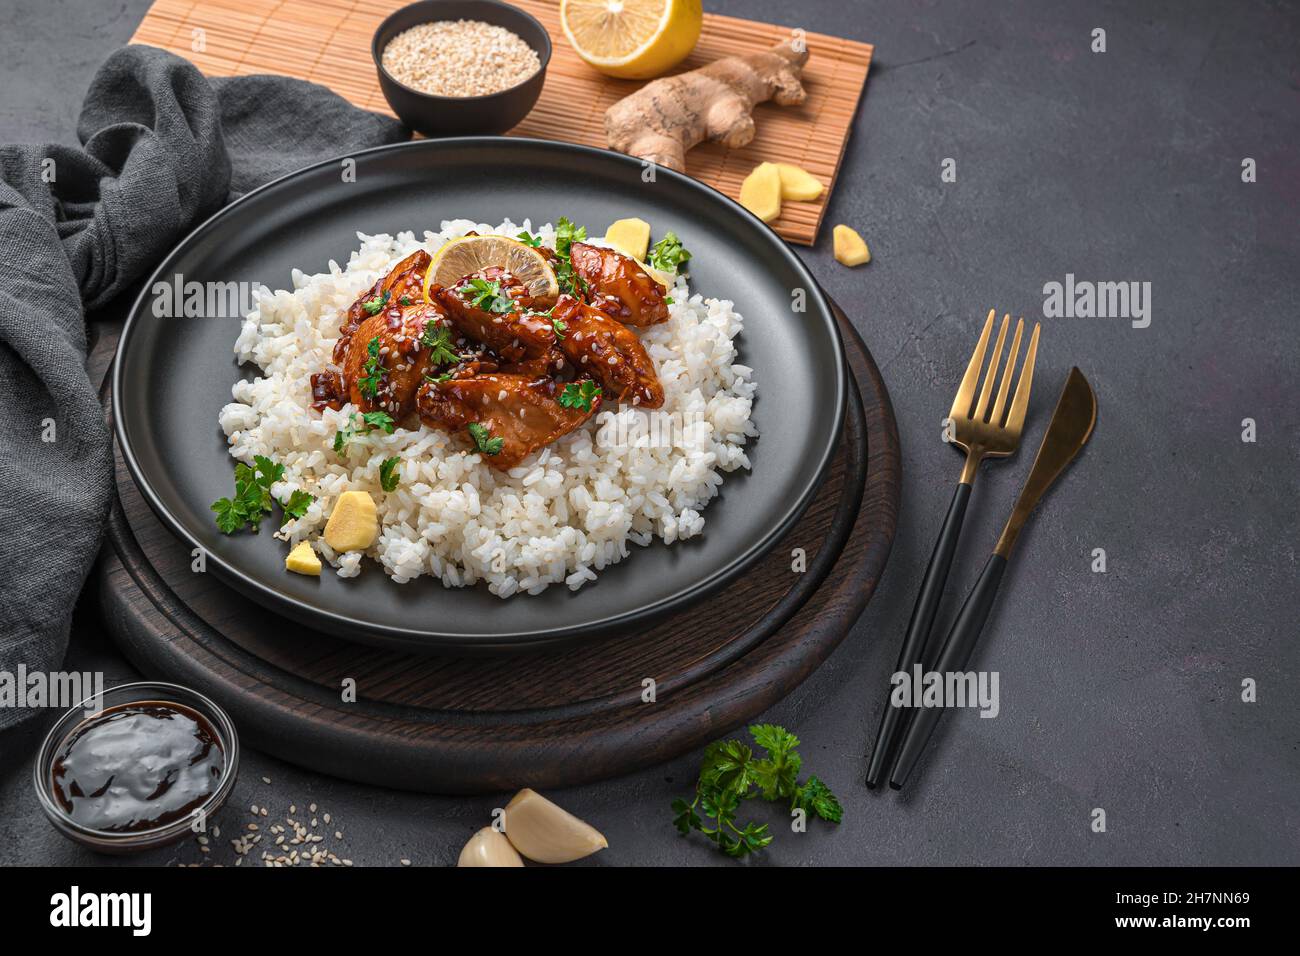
[(466, 725), (328, 42)]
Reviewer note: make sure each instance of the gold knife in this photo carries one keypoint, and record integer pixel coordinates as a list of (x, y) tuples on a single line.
[(1068, 431)]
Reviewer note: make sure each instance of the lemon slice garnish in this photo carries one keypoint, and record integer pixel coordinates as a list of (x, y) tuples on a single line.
[(469, 254)]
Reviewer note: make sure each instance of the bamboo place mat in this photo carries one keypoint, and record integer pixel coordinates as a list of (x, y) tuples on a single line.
[(328, 42)]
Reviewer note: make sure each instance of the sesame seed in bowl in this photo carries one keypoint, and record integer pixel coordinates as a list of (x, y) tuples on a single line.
[(461, 67), (459, 58)]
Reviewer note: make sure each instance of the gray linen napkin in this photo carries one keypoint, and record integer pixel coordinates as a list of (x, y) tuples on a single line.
[(162, 148)]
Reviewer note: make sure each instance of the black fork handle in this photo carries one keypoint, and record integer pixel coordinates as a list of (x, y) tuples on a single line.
[(918, 630), (953, 657)]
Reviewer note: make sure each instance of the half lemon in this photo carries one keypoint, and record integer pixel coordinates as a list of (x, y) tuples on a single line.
[(632, 39), (469, 254)]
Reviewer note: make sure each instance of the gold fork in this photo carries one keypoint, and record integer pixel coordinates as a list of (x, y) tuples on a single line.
[(982, 433)]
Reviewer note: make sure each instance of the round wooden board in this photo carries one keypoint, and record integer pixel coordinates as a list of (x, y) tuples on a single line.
[(549, 719)]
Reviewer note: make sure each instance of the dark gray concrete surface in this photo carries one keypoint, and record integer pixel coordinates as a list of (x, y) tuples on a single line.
[(1119, 690)]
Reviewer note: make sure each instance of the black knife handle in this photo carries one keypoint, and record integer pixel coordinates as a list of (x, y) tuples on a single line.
[(918, 630), (953, 656)]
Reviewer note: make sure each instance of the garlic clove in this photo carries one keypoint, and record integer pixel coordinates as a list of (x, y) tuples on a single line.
[(489, 848), (546, 833)]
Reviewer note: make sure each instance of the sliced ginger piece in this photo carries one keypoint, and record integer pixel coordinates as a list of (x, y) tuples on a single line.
[(353, 524), (850, 248), (760, 193), (798, 184), (630, 237), (302, 559)]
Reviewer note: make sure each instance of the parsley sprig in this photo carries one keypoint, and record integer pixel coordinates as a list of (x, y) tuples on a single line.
[(668, 254), (369, 421), (374, 369), (373, 306), (485, 295), (580, 395), (731, 773), (253, 499), (437, 339), (566, 234), (389, 476), (483, 439)]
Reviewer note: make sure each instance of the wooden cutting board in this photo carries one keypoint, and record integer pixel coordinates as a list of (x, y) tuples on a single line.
[(328, 42), (550, 719)]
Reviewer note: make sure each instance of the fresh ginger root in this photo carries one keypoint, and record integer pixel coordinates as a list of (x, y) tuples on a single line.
[(665, 118)]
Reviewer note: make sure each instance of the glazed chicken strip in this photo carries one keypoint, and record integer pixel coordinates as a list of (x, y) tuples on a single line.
[(609, 352), (524, 413), (618, 286), (402, 287), (491, 307), (388, 356)]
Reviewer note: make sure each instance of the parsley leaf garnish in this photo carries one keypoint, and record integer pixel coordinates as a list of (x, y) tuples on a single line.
[(560, 327), (343, 436), (580, 395), (297, 504), (378, 302), (568, 280), (380, 420), (483, 439), (350, 429), (389, 476), (485, 295), (814, 797), (731, 773), (437, 338), (230, 516), (668, 253), (267, 472), (566, 233), (528, 239), (253, 499), (374, 369)]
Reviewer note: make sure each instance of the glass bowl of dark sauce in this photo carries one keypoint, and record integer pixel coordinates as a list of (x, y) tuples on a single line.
[(145, 766)]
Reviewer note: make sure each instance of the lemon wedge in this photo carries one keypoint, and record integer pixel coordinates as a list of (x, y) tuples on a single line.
[(468, 254), (632, 39)]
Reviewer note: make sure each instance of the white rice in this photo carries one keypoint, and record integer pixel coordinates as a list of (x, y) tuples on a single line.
[(569, 510)]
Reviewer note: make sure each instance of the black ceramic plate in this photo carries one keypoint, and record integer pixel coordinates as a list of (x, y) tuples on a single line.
[(172, 376)]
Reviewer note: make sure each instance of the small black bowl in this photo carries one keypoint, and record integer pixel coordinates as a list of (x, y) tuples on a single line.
[(462, 115)]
